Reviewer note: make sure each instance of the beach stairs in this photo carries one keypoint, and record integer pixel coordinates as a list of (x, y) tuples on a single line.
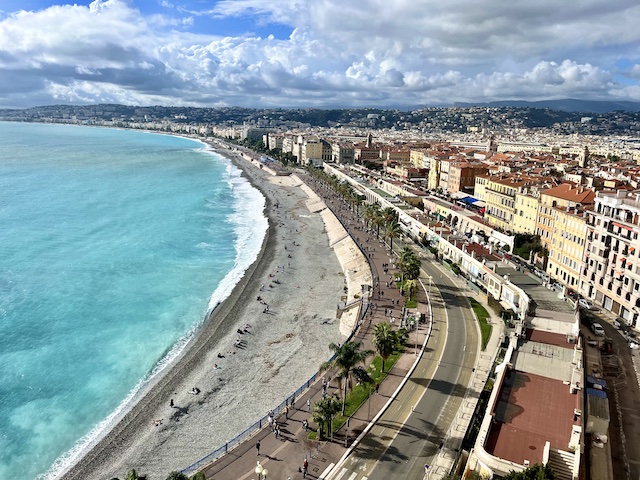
[(562, 463)]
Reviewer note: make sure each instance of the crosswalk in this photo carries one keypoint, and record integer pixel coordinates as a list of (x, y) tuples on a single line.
[(353, 476)]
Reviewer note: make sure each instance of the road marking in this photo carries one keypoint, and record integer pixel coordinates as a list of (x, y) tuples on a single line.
[(353, 475), (341, 474)]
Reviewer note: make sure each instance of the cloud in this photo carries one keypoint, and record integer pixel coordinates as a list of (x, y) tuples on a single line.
[(407, 53)]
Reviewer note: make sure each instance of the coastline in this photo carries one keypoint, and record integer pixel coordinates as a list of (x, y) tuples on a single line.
[(129, 444)]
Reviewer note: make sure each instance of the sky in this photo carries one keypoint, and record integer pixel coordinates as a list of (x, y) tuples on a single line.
[(404, 54)]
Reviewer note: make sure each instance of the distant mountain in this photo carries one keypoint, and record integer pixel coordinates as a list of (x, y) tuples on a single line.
[(566, 105)]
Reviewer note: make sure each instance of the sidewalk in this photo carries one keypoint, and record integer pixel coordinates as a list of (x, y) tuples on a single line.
[(282, 457)]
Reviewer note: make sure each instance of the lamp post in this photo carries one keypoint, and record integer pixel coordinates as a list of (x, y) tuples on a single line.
[(264, 473), (259, 470)]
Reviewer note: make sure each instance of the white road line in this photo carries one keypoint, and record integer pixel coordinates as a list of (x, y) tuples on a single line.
[(341, 474)]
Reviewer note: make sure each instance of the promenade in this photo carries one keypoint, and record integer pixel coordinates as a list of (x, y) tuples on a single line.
[(283, 456)]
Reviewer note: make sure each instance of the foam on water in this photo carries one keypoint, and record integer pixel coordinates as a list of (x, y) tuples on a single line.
[(122, 238)]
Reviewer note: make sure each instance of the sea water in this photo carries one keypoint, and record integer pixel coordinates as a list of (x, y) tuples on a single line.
[(114, 244)]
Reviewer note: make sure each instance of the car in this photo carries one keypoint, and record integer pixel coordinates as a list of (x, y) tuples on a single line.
[(597, 329), (586, 304)]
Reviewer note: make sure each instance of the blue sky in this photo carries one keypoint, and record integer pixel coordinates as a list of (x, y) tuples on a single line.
[(316, 53)]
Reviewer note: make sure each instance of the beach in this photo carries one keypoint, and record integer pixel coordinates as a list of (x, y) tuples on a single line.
[(284, 337)]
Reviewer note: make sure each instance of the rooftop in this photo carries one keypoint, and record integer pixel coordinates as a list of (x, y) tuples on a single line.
[(523, 423)]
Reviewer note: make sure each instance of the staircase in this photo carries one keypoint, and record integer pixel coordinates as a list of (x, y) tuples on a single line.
[(562, 464)]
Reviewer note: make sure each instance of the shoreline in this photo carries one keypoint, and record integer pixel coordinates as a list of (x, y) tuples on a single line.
[(224, 318)]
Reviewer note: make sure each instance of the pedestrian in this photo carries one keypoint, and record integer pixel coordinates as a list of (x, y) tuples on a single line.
[(286, 412), (308, 405), (305, 467), (377, 388), (277, 431), (258, 447), (305, 424)]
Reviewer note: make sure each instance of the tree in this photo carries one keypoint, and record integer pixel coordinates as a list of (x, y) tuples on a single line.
[(177, 476), (536, 472), (323, 413), (346, 358), (386, 340), (392, 230), (409, 264), (411, 286), (199, 476)]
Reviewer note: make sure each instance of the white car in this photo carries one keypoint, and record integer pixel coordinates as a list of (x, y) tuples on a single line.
[(597, 329), (586, 304)]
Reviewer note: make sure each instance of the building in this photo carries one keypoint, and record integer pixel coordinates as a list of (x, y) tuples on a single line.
[(563, 196), (611, 275)]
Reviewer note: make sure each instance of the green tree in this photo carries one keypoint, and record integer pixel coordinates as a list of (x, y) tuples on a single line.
[(324, 412), (177, 476), (199, 476), (371, 212), (347, 358), (535, 472), (386, 340), (409, 264), (411, 286), (392, 230)]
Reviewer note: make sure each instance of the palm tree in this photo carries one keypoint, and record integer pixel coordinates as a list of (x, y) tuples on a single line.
[(324, 412), (409, 264), (346, 358), (391, 231), (411, 286), (385, 340), (177, 476)]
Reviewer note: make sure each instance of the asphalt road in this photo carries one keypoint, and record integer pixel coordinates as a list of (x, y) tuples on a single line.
[(411, 431), (625, 409)]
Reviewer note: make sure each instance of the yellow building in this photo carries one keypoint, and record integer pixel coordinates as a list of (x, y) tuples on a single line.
[(563, 196), (566, 249), (499, 193), (526, 213)]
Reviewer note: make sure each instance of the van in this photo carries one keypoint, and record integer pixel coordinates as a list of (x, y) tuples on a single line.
[(597, 329)]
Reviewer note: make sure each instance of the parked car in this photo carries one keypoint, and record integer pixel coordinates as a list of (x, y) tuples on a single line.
[(597, 329), (586, 304)]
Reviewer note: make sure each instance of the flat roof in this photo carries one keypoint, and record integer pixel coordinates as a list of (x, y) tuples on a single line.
[(531, 410), (545, 360)]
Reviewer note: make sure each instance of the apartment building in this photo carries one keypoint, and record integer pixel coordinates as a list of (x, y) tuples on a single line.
[(561, 197), (526, 212), (611, 275), (462, 176), (342, 152), (499, 193), (566, 253)]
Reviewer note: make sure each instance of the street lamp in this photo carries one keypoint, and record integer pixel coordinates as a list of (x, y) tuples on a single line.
[(259, 470), (264, 473)]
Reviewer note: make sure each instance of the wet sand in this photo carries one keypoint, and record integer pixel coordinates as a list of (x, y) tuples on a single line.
[(282, 349)]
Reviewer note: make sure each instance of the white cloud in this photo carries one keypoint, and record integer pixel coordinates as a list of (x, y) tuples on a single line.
[(373, 52)]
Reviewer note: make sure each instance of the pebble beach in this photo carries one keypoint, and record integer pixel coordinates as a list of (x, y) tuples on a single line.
[(255, 349)]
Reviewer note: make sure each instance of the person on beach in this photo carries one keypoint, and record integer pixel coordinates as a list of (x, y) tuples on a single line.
[(171, 403)]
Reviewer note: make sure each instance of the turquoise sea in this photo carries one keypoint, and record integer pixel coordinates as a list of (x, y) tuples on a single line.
[(113, 246)]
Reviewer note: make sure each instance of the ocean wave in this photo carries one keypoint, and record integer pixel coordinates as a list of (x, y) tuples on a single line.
[(65, 462)]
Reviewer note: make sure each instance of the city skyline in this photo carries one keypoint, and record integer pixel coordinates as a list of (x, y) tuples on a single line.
[(326, 54)]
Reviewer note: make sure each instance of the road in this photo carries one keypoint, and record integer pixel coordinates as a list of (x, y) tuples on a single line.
[(409, 434), (624, 407)]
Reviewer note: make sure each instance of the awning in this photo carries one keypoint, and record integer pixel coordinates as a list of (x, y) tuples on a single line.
[(469, 200), (622, 226)]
